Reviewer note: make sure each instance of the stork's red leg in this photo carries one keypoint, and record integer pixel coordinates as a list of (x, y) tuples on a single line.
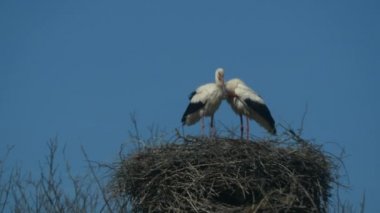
[(202, 126), (247, 128), (241, 126), (212, 130)]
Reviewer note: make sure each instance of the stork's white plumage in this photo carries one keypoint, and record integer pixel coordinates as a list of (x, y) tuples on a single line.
[(245, 101), (204, 101)]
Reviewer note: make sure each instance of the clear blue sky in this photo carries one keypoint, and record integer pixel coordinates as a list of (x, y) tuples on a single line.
[(77, 69)]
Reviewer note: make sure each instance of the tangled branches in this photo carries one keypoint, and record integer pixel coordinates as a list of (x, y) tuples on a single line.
[(226, 175)]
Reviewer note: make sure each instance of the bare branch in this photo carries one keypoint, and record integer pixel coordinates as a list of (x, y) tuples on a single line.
[(101, 188)]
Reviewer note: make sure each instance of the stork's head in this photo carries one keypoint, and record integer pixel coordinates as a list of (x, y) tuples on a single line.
[(219, 77)]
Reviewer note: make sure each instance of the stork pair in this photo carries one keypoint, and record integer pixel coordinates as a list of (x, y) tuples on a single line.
[(206, 99)]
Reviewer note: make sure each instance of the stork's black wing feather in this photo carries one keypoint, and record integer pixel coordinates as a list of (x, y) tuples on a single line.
[(192, 94), (262, 110), (191, 108)]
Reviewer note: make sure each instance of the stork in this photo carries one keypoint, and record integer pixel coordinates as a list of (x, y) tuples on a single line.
[(204, 101), (244, 101)]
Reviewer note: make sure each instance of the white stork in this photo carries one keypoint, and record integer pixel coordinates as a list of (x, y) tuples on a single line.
[(204, 101), (245, 101)]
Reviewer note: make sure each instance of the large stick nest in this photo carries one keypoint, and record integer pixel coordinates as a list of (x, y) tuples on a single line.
[(226, 175)]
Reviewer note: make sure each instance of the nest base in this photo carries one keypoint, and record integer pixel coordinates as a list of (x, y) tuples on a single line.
[(226, 175)]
